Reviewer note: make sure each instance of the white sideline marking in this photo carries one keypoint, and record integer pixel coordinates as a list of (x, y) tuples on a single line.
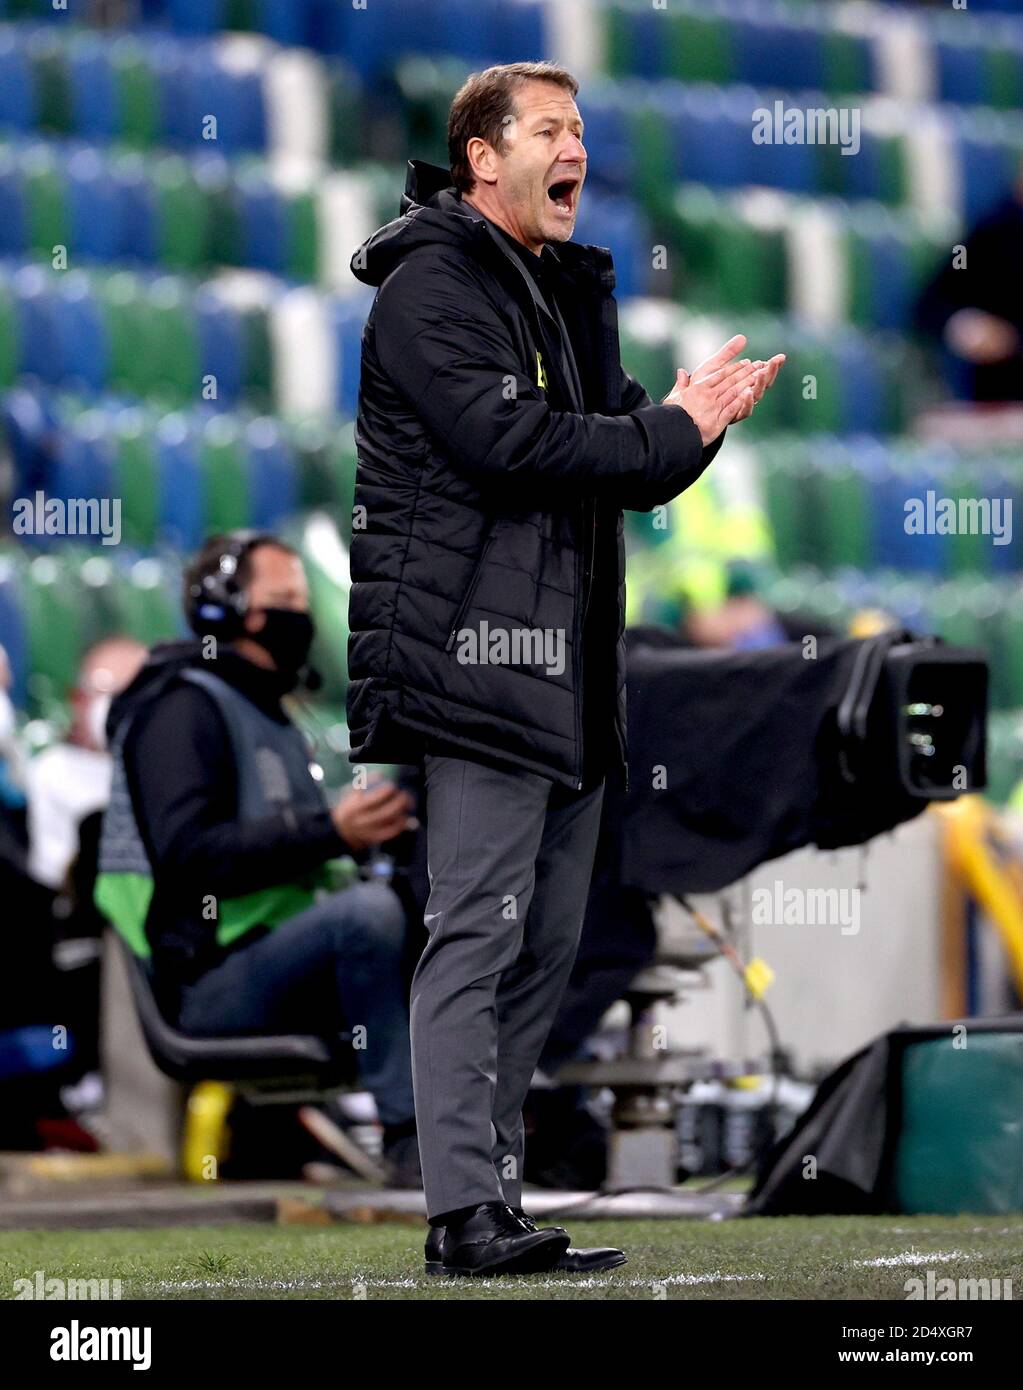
[(914, 1257), (427, 1282)]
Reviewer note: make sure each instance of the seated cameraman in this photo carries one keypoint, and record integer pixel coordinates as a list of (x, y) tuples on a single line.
[(213, 863)]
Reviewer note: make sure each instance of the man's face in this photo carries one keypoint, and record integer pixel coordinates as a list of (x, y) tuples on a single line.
[(540, 175), (276, 580)]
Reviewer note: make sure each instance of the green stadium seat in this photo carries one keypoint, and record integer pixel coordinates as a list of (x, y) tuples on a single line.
[(303, 237), (147, 602), (225, 477), (183, 215), (314, 443), (786, 471), (257, 372), (51, 80), (170, 341), (137, 477), (846, 63), (698, 48), (8, 339), (840, 521), (57, 628), (43, 187), (220, 187), (344, 460), (138, 95), (124, 314)]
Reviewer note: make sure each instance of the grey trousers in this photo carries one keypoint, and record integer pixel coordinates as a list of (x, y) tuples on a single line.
[(510, 856)]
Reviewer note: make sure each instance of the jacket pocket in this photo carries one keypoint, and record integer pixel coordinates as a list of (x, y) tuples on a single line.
[(470, 592)]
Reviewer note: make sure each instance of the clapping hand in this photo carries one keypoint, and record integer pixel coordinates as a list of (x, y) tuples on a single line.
[(722, 391)]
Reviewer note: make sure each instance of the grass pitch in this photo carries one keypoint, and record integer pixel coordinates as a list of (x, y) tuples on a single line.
[(762, 1258)]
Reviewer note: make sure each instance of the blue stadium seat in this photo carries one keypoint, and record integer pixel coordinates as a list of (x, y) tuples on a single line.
[(283, 20), (136, 210), (770, 53), (38, 338), (234, 98), (897, 547), (197, 16), (173, 67), (81, 328), (93, 206), (615, 222), (221, 346), (18, 109), (713, 136), (789, 167), (94, 98), (13, 636), (264, 229), (516, 29), (987, 170), (862, 388), (348, 317), (606, 131), (182, 505), (365, 37), (273, 482), (962, 72), (645, 42), (83, 462), (28, 421), (13, 221), (893, 288)]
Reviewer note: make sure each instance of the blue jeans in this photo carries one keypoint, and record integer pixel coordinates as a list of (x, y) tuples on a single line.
[(333, 967)]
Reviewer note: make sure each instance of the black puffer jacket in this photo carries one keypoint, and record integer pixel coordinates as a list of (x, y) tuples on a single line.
[(475, 501)]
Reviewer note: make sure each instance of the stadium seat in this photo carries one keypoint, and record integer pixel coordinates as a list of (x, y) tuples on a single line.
[(272, 484), (226, 504), (13, 635), (293, 1061), (182, 504), (136, 475)]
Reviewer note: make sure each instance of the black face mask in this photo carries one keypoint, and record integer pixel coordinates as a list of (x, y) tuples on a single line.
[(287, 635)]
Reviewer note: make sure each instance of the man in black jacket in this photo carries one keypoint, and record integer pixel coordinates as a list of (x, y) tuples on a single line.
[(499, 440), (216, 850)]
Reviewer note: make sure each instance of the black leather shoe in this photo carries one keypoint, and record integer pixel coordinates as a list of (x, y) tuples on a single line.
[(577, 1261), (435, 1243), (492, 1241)]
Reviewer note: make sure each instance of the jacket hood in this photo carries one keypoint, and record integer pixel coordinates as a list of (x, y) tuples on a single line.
[(433, 212), (164, 663)]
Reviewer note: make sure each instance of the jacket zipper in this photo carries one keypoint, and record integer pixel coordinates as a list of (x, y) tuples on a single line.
[(463, 607), (590, 532), (577, 672)]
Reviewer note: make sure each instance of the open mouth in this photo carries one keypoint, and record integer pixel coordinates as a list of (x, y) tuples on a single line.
[(562, 194)]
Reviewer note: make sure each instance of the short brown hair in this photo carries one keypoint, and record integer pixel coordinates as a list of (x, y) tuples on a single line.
[(481, 106)]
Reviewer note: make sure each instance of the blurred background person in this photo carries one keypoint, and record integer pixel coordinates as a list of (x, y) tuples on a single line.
[(13, 822), (215, 854), (68, 787), (973, 307), (70, 779)]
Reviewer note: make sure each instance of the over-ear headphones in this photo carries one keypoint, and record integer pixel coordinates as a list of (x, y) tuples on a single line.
[(216, 602)]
